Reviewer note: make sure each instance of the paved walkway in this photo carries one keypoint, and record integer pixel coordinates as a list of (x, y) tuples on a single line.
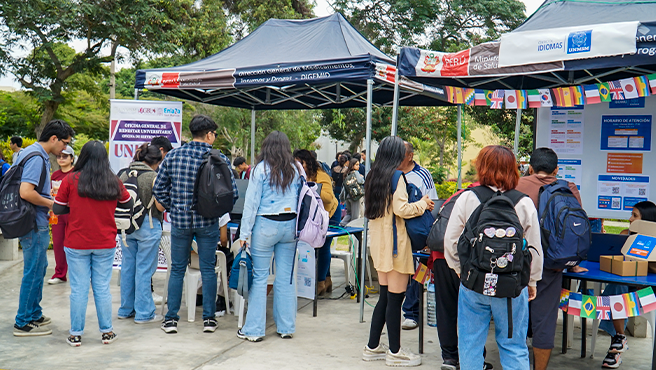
[(333, 340)]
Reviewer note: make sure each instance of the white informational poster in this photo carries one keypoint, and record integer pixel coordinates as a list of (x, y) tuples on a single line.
[(566, 130), (306, 271), (620, 192), (570, 170), (118, 257)]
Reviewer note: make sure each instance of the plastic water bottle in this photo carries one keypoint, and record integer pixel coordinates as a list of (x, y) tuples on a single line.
[(431, 317)]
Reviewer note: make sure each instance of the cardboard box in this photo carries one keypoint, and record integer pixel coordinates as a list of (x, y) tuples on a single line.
[(618, 265)]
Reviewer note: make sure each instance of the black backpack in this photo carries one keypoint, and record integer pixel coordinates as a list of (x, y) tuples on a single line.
[(435, 239), (213, 187), (130, 220), (18, 216)]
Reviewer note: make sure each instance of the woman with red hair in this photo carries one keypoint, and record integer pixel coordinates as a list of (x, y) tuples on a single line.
[(497, 171)]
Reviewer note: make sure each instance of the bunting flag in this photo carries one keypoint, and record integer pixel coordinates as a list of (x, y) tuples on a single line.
[(577, 95), (618, 308), (488, 97), (522, 99), (455, 95), (545, 98), (511, 99), (497, 99), (616, 91), (533, 97), (629, 88), (632, 304), (592, 94), (564, 97), (589, 307), (574, 304), (642, 84), (647, 299), (469, 96), (564, 299), (421, 275), (604, 91), (603, 308), (479, 97), (652, 82)]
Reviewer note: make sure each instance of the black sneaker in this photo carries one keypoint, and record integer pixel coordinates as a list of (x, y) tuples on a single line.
[(286, 336), (170, 326), (243, 336), (612, 360), (30, 330), (74, 340), (450, 364), (488, 366), (108, 338), (210, 325), (619, 344)]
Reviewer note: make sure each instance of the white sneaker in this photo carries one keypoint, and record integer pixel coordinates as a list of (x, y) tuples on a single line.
[(402, 359), (378, 353), (409, 324), (220, 313), (157, 318), (54, 281), (158, 299)]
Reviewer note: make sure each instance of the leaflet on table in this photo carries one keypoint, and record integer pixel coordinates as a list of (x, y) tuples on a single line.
[(566, 131), (306, 271), (642, 246), (621, 192), (570, 170), (626, 132)]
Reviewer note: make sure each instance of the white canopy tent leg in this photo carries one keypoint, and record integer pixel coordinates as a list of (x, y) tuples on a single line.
[(459, 146), (253, 137), (363, 289), (518, 122), (395, 106), (136, 94)]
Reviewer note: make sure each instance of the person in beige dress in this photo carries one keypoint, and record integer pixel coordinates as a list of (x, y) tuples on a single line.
[(394, 269)]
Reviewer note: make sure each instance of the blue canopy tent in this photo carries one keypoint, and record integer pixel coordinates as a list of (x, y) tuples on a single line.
[(318, 63)]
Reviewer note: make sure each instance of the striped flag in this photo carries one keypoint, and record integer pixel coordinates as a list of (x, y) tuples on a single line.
[(589, 307), (422, 274), (469, 96), (577, 95), (385, 72), (604, 91), (603, 308), (564, 97), (497, 99), (617, 307), (647, 299), (545, 98), (564, 299), (522, 99), (592, 94), (511, 99), (632, 304), (642, 85), (479, 97), (616, 91), (629, 88), (652, 82), (534, 99), (574, 304)]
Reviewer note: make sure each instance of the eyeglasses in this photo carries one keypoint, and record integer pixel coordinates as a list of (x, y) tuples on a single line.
[(66, 142), (63, 156), (213, 132)]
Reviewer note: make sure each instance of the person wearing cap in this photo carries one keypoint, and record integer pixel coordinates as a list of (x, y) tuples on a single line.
[(65, 161)]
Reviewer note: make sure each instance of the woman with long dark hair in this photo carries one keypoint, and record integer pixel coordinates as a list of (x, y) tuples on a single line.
[(269, 222), (90, 194), (315, 173), (338, 170), (386, 212), (352, 179), (140, 254)]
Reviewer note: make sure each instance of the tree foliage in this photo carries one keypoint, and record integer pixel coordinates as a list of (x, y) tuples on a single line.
[(503, 121)]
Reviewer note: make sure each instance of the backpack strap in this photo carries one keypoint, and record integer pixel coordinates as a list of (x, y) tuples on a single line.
[(395, 180), (483, 193), (510, 317), (42, 180), (515, 195)]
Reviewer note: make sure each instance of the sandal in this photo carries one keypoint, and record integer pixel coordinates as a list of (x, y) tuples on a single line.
[(108, 338), (74, 340)]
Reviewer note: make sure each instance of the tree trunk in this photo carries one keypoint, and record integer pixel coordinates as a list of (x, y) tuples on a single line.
[(49, 109)]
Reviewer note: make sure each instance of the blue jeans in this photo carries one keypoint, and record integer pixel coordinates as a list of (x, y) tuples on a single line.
[(474, 313), (323, 254), (207, 238), (411, 302), (272, 238), (90, 266), (137, 268), (34, 244)]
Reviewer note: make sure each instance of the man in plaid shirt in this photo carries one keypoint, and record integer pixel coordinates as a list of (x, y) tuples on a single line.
[(174, 189)]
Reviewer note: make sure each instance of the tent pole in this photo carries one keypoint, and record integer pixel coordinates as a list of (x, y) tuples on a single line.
[(459, 146), (253, 137), (395, 106), (136, 94), (363, 288), (518, 122)]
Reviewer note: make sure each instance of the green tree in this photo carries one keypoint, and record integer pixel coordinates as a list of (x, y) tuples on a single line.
[(250, 14), (502, 122)]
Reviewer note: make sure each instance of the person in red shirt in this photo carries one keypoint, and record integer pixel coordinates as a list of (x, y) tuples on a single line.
[(65, 161), (90, 194)]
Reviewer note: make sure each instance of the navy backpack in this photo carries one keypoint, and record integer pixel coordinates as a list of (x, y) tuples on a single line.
[(564, 226), (419, 227)]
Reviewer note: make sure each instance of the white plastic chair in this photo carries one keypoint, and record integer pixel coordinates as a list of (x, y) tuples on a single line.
[(165, 244), (193, 276), (347, 256)]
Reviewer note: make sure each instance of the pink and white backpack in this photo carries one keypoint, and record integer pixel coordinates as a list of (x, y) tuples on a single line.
[(312, 218)]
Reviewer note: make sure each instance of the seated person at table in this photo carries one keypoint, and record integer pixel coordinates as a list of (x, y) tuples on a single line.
[(542, 169), (645, 210)]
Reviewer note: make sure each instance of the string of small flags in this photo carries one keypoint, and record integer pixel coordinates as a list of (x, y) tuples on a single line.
[(564, 97), (606, 307)]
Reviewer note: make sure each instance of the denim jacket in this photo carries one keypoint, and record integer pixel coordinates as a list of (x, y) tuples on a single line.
[(263, 199)]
